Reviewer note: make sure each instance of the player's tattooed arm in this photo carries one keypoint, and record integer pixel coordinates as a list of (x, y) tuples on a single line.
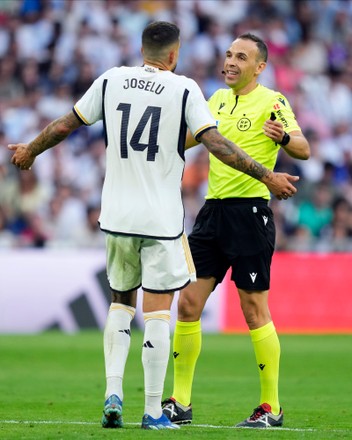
[(25, 154), (229, 153), (54, 133), (223, 149)]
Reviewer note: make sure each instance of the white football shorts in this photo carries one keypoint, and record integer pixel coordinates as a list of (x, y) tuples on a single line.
[(157, 265)]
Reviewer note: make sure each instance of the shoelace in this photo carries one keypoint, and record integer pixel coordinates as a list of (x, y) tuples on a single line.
[(167, 402), (257, 413)]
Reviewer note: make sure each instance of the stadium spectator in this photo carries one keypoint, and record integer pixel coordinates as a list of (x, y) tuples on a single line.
[(337, 235), (315, 214), (89, 234)]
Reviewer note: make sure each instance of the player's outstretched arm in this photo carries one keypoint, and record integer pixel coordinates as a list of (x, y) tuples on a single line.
[(279, 184), (58, 130)]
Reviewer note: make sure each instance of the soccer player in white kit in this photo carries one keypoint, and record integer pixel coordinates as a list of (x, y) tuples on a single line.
[(146, 111)]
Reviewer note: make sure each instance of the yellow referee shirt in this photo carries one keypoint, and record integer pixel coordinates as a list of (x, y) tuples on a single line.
[(240, 118)]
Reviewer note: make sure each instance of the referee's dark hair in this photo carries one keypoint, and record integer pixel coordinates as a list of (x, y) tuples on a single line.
[(159, 35), (262, 47)]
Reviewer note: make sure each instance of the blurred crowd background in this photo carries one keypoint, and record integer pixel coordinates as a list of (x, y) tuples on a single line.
[(52, 50)]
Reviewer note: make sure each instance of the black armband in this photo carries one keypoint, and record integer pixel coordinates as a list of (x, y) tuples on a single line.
[(285, 139)]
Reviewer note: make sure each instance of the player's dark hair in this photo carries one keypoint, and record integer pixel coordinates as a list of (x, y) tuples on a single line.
[(160, 34), (262, 47)]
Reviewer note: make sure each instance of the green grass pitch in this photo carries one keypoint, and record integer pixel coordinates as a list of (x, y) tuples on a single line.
[(52, 387)]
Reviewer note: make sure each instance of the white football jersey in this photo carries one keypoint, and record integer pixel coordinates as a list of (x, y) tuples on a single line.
[(146, 112)]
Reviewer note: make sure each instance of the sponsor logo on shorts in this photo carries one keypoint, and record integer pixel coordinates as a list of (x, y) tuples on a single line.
[(253, 276)]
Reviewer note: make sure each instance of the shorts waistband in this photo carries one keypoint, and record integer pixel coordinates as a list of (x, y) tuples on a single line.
[(237, 201)]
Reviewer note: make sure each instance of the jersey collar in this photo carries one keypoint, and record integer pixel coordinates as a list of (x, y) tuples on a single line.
[(151, 69)]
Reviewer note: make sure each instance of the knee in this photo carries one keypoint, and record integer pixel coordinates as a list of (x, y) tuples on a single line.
[(188, 307), (256, 312), (251, 316)]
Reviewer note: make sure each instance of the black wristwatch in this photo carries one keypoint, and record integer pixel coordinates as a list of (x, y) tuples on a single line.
[(285, 139)]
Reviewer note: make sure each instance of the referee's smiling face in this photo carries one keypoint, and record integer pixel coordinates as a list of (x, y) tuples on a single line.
[(242, 66)]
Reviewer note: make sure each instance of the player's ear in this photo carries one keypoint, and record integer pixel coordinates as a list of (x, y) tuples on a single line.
[(172, 56)]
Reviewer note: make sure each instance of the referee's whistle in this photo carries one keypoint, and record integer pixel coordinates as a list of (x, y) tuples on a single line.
[(272, 116)]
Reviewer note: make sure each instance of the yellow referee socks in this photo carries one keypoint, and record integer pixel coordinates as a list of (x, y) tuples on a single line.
[(187, 344), (267, 352)]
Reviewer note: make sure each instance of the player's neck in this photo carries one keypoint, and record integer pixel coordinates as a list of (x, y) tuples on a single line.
[(157, 64)]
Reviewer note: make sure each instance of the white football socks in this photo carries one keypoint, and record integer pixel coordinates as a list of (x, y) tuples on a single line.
[(155, 356), (117, 340)]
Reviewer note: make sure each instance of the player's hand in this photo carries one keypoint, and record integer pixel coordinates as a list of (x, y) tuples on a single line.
[(281, 185), (22, 158)]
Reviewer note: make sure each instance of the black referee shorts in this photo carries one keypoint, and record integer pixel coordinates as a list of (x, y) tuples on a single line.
[(237, 233)]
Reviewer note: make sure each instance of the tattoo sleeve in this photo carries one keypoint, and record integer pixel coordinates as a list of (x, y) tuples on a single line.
[(54, 133), (232, 155)]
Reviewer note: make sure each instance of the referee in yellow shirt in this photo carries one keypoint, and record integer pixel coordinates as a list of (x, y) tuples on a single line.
[(235, 229)]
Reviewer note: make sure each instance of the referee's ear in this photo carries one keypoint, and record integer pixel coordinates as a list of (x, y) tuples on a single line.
[(260, 67)]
